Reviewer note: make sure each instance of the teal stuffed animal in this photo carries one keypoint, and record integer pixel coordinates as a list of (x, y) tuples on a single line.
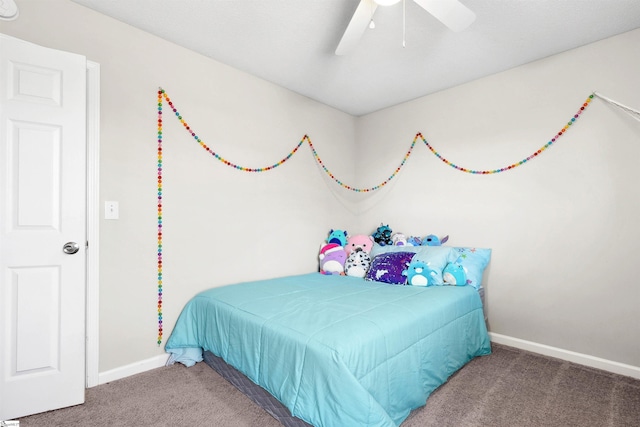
[(454, 274), (419, 273), (337, 236)]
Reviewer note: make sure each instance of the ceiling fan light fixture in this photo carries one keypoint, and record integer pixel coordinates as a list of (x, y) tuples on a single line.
[(453, 14), (386, 2)]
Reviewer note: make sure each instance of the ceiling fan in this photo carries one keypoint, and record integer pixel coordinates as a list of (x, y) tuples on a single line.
[(451, 13)]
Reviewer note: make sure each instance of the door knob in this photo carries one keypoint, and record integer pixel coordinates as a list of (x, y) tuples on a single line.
[(70, 248)]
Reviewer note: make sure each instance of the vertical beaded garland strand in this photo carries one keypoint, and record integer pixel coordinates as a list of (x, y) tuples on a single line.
[(160, 92), (162, 96)]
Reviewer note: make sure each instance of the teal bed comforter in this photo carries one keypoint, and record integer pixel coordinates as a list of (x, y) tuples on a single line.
[(337, 350)]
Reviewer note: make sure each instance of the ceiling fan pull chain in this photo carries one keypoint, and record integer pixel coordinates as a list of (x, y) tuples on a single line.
[(404, 23), (372, 24)]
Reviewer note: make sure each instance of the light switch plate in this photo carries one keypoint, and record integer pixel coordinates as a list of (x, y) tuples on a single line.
[(111, 210)]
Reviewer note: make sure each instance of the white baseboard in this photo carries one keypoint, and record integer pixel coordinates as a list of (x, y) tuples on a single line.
[(570, 356), (132, 369)]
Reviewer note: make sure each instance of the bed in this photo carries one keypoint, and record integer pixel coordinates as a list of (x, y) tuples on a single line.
[(335, 350)]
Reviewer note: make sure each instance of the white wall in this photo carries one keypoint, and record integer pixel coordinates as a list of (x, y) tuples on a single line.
[(220, 225), (564, 227)]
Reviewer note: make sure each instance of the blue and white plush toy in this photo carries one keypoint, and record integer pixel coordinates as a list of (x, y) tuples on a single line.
[(454, 274), (433, 240), (414, 241), (419, 273)]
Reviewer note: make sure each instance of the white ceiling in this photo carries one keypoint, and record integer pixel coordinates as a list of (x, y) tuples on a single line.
[(292, 42)]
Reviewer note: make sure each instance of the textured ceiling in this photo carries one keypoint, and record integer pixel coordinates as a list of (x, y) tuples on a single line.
[(292, 42)]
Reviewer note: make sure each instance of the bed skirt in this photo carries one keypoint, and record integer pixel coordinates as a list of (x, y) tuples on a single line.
[(253, 391)]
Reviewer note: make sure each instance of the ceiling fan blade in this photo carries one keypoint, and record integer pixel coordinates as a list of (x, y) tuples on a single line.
[(357, 26), (451, 13)]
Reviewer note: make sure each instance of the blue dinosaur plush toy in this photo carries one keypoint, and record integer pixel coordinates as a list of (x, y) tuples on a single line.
[(419, 273), (382, 235), (433, 240), (454, 274), (337, 236)]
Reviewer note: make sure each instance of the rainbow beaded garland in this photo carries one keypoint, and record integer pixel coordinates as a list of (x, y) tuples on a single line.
[(521, 162), (160, 217), (162, 96)]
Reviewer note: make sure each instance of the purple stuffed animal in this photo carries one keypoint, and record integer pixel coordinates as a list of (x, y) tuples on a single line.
[(332, 258)]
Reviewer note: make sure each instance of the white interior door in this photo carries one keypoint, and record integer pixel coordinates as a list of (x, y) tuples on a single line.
[(42, 207)]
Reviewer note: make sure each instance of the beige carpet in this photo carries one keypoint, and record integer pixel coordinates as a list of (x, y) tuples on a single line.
[(508, 388)]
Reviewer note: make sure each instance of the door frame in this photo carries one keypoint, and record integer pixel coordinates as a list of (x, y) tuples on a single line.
[(92, 339)]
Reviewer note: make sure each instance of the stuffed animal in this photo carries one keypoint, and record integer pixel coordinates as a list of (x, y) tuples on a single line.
[(361, 241), (358, 260), (337, 236), (332, 258), (454, 274), (357, 263), (419, 273), (399, 239), (414, 241), (382, 236), (433, 240)]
